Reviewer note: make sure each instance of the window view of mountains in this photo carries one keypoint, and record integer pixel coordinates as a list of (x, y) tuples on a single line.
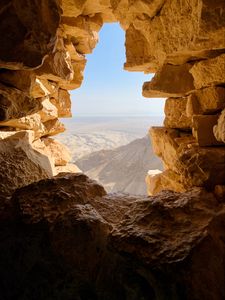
[(115, 151)]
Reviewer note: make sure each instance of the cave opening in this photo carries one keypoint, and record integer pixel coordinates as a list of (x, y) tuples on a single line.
[(108, 134), (62, 236)]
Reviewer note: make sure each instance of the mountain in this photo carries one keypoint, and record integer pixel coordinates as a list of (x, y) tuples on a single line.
[(122, 169), (83, 144)]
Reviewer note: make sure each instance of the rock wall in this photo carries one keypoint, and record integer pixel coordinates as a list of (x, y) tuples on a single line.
[(42, 57), (63, 237)]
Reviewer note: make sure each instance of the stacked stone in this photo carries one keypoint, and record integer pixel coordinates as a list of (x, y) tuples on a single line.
[(192, 141), (42, 57)]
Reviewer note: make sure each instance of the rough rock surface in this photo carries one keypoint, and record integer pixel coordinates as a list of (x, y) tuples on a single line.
[(181, 41), (63, 238), (20, 164), (58, 151), (193, 165), (176, 114), (72, 241)]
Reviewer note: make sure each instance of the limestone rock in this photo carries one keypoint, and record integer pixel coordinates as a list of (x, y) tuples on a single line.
[(196, 166), (137, 58), (209, 72), (30, 122), (128, 12), (206, 101), (58, 151), (73, 8), (20, 165), (75, 82), (34, 122), (178, 29), (63, 104), (48, 111), (176, 115), (84, 30), (53, 127), (22, 45), (153, 182), (180, 58), (203, 129), (43, 88), (166, 180), (219, 129), (16, 104), (56, 67), (170, 81)]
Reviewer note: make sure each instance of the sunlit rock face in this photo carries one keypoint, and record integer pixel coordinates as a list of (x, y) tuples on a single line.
[(182, 42), (63, 237), (42, 57)]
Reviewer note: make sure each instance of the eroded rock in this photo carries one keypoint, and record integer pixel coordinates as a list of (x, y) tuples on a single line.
[(176, 114), (58, 151), (206, 101), (196, 166), (170, 81), (20, 165), (209, 72), (203, 129), (71, 230)]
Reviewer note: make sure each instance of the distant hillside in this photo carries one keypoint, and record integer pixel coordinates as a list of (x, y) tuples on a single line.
[(83, 144), (122, 169)]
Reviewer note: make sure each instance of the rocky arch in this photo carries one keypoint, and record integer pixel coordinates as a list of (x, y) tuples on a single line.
[(170, 246), (43, 56)]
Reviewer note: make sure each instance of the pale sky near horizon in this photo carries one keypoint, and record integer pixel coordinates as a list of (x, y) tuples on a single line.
[(107, 89)]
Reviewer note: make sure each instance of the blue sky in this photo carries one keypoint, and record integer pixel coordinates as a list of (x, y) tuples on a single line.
[(107, 89)]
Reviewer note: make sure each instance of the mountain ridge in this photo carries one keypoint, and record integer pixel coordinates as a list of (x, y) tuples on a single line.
[(122, 169)]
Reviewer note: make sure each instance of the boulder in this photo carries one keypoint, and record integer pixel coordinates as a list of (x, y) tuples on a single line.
[(74, 239)]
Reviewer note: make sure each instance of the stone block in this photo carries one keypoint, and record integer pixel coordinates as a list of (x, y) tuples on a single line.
[(176, 113), (209, 72), (203, 130), (170, 81), (206, 101)]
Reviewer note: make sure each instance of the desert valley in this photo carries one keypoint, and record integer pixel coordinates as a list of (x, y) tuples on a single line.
[(115, 151)]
